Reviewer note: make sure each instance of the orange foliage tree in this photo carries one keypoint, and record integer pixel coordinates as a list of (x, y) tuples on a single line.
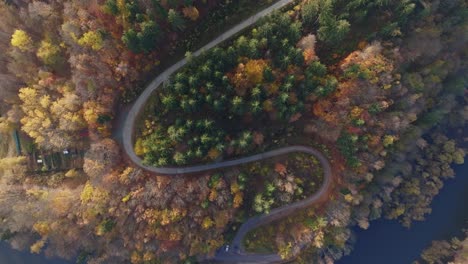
[(247, 75), (191, 13)]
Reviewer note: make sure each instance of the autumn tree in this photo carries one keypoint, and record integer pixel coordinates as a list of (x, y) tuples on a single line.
[(94, 199), (248, 75), (13, 169), (307, 44), (92, 39), (254, 70), (51, 121), (21, 40), (101, 158), (441, 251), (49, 53), (191, 12)]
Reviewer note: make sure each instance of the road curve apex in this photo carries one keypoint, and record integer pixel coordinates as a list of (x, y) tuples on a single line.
[(136, 109), (275, 214)]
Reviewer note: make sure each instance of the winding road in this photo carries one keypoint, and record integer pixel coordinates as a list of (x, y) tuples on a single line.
[(236, 254), (138, 106)]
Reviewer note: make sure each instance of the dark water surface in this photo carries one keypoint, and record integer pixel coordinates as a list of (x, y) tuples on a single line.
[(11, 256), (385, 242)]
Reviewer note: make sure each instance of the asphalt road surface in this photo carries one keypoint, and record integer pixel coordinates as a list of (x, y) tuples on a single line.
[(138, 106), (236, 252)]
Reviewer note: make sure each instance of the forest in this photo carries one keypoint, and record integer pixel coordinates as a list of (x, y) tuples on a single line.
[(240, 85), (445, 251), (379, 87)]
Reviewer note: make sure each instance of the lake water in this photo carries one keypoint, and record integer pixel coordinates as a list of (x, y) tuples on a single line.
[(385, 242), (11, 256)]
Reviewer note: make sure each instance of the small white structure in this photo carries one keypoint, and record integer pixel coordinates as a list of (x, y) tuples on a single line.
[(39, 161), (65, 151)]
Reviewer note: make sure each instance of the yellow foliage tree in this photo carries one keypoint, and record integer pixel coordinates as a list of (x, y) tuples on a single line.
[(135, 257), (139, 148), (37, 193), (37, 247), (68, 108), (91, 112), (238, 199), (87, 193), (213, 153), (48, 52), (51, 118), (124, 13), (71, 173), (247, 75), (285, 251), (348, 197), (5, 125), (235, 188), (388, 140), (92, 39), (164, 217), (356, 112), (42, 228), (319, 239), (254, 70), (207, 223), (12, 163), (61, 200), (148, 257), (21, 40), (95, 200)]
